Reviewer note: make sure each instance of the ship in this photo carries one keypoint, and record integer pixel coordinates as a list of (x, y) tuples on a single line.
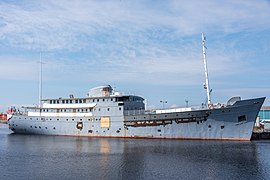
[(105, 112)]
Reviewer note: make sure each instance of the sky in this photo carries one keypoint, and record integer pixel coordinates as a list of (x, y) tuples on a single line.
[(150, 48)]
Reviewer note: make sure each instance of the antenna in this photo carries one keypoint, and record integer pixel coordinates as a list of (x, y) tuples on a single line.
[(40, 79), (206, 84)]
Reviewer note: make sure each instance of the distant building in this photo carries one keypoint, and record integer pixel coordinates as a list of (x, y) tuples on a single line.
[(264, 118), (264, 113)]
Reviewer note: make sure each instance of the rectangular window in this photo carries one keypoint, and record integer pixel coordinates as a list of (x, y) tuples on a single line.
[(242, 118), (84, 101)]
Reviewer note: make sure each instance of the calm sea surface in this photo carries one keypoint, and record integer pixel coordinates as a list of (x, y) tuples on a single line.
[(56, 157)]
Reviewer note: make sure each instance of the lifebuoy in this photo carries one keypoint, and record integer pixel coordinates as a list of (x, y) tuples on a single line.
[(210, 106), (79, 125)]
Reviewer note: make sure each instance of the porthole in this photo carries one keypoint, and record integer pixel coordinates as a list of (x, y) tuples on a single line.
[(209, 126), (222, 127)]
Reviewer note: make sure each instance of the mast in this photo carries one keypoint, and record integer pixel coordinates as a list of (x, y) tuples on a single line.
[(206, 84), (40, 79)]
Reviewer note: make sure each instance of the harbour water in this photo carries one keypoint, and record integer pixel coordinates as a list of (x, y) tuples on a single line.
[(61, 157)]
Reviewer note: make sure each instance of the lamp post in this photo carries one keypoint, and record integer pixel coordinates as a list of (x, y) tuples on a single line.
[(163, 102)]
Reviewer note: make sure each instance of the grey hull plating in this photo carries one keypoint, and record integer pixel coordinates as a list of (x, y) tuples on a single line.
[(229, 123)]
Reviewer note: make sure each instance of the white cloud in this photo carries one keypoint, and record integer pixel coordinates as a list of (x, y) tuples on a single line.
[(64, 24), (127, 40)]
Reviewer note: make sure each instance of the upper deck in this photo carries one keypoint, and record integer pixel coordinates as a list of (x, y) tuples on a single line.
[(102, 96)]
